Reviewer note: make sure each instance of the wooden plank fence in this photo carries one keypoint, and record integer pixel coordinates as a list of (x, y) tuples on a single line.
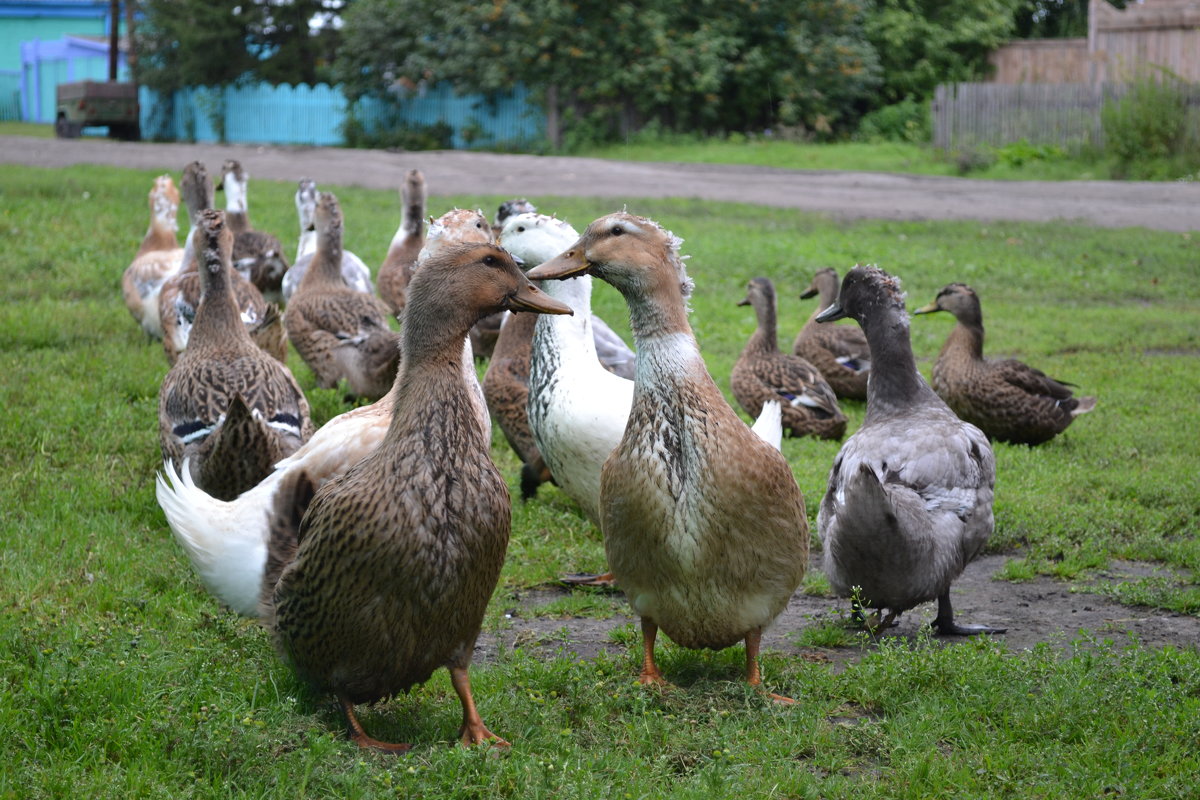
[(968, 115)]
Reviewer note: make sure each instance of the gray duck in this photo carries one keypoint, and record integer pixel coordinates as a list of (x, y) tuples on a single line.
[(397, 268), (840, 352), (180, 295), (339, 332), (227, 408), (909, 499), (763, 373), (257, 255), (1006, 399), (384, 574), (704, 526)]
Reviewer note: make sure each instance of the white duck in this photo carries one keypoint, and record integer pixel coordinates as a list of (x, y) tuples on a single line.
[(226, 541), (703, 523), (909, 501), (354, 271)]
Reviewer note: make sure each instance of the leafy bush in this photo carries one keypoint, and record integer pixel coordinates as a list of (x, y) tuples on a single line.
[(392, 133), (906, 121), (1021, 152), (1150, 130)]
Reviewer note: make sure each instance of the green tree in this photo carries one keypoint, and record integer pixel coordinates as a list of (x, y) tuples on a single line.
[(610, 68), (922, 43)]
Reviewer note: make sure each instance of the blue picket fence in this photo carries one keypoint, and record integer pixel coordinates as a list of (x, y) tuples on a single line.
[(10, 95), (317, 115)]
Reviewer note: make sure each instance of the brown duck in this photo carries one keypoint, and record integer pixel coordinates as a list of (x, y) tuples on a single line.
[(397, 268), (1006, 399), (762, 373), (339, 332), (226, 407), (180, 295), (840, 352), (257, 255), (385, 575), (704, 525)]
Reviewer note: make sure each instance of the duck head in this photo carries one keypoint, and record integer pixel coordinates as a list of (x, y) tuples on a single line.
[(479, 278), (960, 300), (164, 201), (214, 243), (760, 293), (511, 208), (457, 226), (233, 183), (636, 255), (824, 283), (536, 238), (197, 190), (866, 292), (327, 216), (306, 203)]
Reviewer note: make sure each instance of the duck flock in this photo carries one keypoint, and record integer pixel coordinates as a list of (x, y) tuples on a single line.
[(370, 547)]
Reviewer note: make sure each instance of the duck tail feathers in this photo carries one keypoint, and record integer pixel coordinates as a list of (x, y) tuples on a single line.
[(769, 425), (226, 548), (291, 501)]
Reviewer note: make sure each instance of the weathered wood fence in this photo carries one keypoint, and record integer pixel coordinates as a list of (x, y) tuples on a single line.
[(1067, 115)]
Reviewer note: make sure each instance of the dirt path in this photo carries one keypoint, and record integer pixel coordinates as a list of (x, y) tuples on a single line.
[(841, 195), (1036, 611), (1041, 610)]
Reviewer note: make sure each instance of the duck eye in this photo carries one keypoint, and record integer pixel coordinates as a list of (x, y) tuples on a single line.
[(520, 229), (617, 230), (489, 260)]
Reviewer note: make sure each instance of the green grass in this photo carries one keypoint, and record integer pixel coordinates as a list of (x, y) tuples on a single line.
[(120, 677), (919, 159), (38, 129)]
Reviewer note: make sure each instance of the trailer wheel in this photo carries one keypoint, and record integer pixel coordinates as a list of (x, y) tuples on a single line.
[(66, 130)]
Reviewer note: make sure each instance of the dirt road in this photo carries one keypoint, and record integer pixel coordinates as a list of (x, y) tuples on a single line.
[(841, 195)]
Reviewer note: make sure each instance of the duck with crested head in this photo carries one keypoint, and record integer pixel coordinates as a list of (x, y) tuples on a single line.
[(227, 410), (368, 589), (763, 373), (158, 258), (840, 352), (1006, 399), (909, 499), (339, 332), (703, 523)]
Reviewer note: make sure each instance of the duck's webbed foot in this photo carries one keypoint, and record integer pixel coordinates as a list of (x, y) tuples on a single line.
[(753, 675), (359, 736), (944, 624), (650, 674), (605, 581), (472, 731)]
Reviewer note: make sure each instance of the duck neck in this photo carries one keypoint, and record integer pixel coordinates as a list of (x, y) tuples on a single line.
[(894, 382), (326, 267), (570, 333), (432, 376), (668, 353), (218, 310), (967, 335), (412, 219), (162, 233), (827, 291), (763, 340)]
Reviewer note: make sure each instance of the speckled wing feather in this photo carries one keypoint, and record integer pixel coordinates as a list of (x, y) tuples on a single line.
[(341, 333), (809, 404)]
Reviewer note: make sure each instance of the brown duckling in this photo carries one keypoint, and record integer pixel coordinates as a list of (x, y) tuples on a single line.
[(385, 575), (339, 332), (397, 268), (257, 255), (840, 352), (1006, 399), (704, 525), (226, 406), (763, 373)]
